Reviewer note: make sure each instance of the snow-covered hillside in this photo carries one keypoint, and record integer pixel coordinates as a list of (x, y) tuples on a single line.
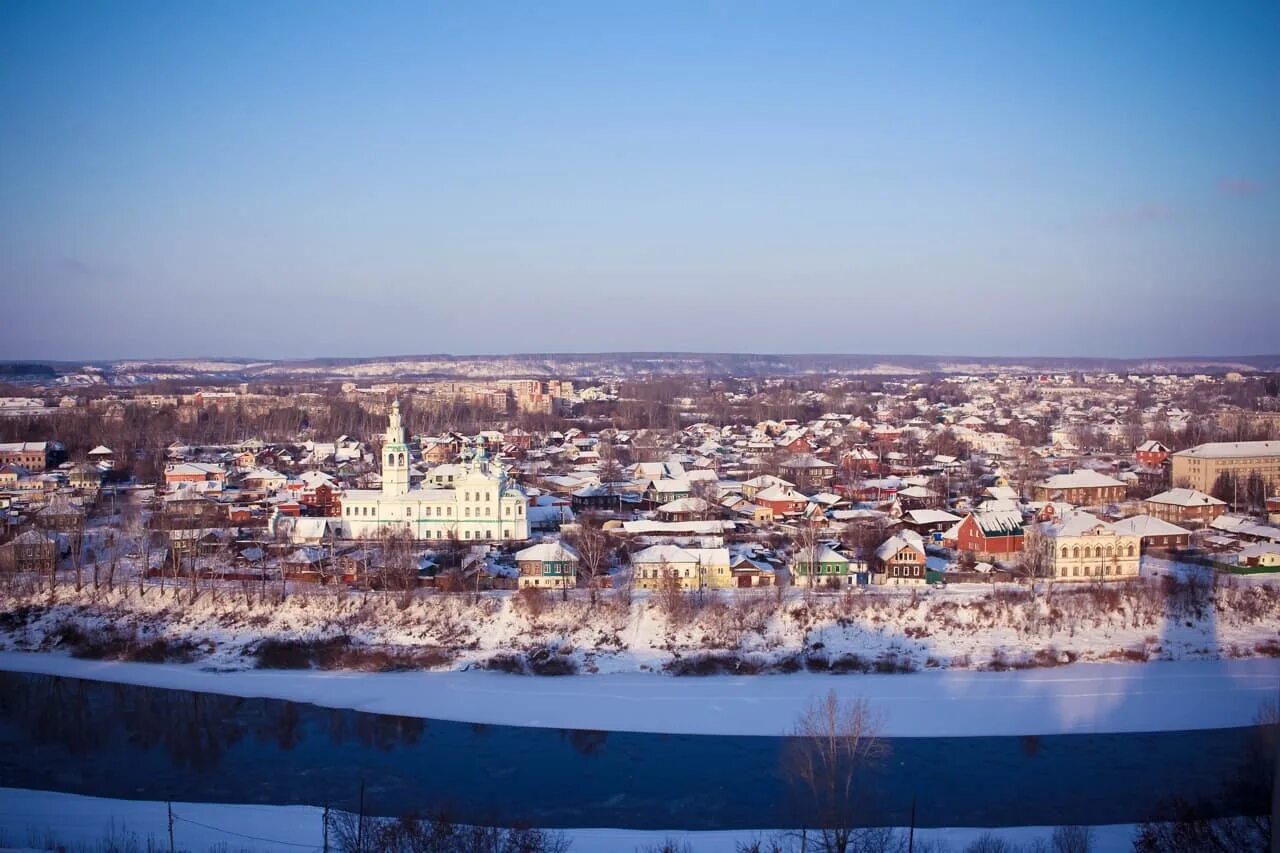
[(976, 627)]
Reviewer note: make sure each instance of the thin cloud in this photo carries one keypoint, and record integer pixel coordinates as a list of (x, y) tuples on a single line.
[(1239, 186), (1141, 214), (78, 267)]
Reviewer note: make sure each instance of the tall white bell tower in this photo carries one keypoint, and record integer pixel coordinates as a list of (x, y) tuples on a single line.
[(395, 457)]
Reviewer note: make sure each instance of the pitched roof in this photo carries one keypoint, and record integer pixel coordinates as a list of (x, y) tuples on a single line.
[(1081, 478), (1147, 525), (1185, 498), (547, 552), (998, 522), (894, 544)]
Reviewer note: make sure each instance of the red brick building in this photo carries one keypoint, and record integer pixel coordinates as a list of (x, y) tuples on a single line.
[(990, 533), (1151, 453)]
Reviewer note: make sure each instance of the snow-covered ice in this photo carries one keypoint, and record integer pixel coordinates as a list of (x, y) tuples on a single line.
[(75, 819), (1079, 698)]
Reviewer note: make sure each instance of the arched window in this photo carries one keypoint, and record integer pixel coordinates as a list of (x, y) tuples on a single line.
[(1097, 552), (1108, 550), (401, 460), (1064, 552), (1130, 551), (391, 459), (1075, 552)]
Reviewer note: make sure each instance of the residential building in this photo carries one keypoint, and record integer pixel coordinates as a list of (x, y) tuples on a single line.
[(693, 568), (1185, 506), (807, 471), (1151, 453), (35, 456), (1199, 467), (990, 533), (1082, 487), (1083, 547), (900, 561), (825, 565), (1154, 532), (548, 565), (201, 476)]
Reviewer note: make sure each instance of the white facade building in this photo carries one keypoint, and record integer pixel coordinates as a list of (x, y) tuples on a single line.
[(481, 505)]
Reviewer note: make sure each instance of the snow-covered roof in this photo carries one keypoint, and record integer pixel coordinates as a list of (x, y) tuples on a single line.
[(685, 505), (1185, 498), (895, 543), (1076, 523), (1147, 525), (931, 516), (1081, 478), (1232, 449), (547, 552)]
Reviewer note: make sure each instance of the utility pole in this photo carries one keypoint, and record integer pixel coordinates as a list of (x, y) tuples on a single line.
[(360, 823), (325, 828), (171, 846), (911, 833)]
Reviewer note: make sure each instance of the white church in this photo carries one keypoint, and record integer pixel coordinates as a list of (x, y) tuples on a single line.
[(481, 505)]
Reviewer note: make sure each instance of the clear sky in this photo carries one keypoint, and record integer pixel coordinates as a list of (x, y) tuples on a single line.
[(277, 179)]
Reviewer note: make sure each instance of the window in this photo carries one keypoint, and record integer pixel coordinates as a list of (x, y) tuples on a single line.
[(391, 459), (1130, 552), (408, 511), (401, 458), (1064, 553), (1075, 553), (467, 512), (488, 534)]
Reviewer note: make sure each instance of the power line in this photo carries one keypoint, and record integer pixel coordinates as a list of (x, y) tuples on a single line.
[(178, 817)]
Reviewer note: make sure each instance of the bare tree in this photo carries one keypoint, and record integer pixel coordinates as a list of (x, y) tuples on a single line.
[(832, 744), (594, 547), (808, 546), (1036, 563)]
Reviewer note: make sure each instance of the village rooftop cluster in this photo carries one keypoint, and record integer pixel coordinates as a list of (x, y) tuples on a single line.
[(566, 483)]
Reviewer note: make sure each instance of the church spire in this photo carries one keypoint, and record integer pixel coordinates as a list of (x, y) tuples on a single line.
[(395, 456)]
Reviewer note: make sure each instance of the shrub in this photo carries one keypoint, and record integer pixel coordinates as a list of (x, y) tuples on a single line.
[(276, 653), (713, 663), (1268, 648), (507, 662), (545, 661)]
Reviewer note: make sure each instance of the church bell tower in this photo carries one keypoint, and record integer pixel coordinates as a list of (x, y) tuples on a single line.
[(395, 457)]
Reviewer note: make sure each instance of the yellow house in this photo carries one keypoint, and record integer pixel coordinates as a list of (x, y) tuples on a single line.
[(1083, 547), (1262, 555), (694, 568)]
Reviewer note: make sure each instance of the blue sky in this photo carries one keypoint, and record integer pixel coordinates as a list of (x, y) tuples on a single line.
[(296, 179)]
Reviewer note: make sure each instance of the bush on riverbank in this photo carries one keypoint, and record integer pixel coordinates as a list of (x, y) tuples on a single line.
[(124, 643), (341, 653), (540, 661)]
